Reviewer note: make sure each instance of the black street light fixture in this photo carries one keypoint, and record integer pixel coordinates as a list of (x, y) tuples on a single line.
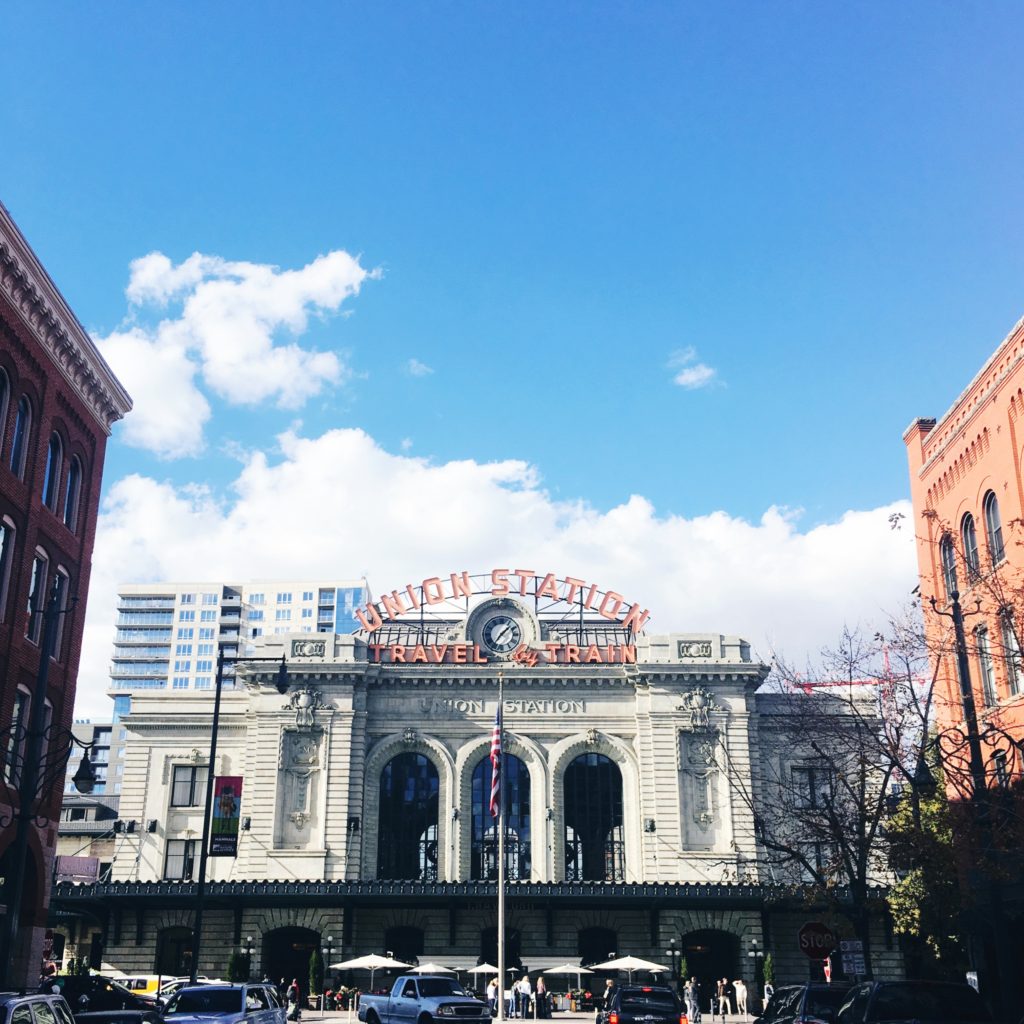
[(672, 952), (989, 925), (248, 948), (46, 751), (281, 682), (327, 952)]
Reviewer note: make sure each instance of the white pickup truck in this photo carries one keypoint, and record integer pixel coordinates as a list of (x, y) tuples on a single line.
[(423, 999)]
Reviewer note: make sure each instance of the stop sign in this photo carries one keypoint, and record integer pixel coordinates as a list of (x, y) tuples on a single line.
[(816, 940)]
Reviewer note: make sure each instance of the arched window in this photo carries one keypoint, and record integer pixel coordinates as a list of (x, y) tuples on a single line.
[(994, 528), (970, 539), (51, 478), (948, 558), (988, 672), (516, 798), (405, 942), (407, 833), (19, 446), (593, 820), (596, 944), (63, 582), (72, 493), (37, 595), (5, 395)]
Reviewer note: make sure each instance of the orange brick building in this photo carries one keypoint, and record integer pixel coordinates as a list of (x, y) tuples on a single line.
[(968, 496)]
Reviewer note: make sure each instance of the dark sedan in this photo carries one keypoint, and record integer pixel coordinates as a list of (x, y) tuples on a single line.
[(643, 1004)]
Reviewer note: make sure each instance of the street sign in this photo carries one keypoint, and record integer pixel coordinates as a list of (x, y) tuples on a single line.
[(816, 940), (852, 953)]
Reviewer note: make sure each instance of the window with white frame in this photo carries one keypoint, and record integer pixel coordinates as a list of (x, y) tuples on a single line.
[(183, 650), (8, 536), (188, 599), (208, 615), (204, 665), (284, 597), (257, 599), (187, 615), (185, 633), (205, 633), (209, 598), (1000, 769), (183, 665), (307, 613), (63, 582), (37, 595), (1011, 652), (203, 682), (283, 614), (180, 683), (307, 595)]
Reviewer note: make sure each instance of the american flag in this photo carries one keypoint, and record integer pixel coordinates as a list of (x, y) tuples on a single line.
[(496, 765)]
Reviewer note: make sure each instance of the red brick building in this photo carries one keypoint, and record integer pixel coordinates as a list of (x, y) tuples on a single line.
[(58, 401)]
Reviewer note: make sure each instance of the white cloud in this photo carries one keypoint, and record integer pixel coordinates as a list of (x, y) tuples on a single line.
[(417, 369), (690, 374), (236, 332), (406, 444), (340, 504)]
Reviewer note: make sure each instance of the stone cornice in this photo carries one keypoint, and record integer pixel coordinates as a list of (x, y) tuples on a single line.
[(31, 291)]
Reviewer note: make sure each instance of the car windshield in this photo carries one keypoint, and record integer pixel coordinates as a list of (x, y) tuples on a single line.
[(440, 987), (205, 1000), (648, 1000), (928, 1002), (821, 999)]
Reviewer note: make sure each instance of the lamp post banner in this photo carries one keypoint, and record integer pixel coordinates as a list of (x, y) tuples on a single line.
[(227, 805)]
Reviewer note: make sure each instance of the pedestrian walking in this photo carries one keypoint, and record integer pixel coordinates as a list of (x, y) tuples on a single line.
[(525, 996), (541, 998), (740, 988), (693, 1004), (492, 997), (294, 998)]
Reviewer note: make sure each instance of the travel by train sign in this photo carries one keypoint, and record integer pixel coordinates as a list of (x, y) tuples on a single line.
[(436, 591)]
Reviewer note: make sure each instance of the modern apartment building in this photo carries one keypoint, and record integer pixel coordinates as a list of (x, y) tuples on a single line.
[(169, 634)]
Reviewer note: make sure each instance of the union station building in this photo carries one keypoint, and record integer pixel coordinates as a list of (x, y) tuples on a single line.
[(364, 792)]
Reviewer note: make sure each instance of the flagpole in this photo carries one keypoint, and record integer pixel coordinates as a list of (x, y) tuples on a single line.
[(501, 851)]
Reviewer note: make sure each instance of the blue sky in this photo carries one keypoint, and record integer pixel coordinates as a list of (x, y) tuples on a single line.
[(813, 208)]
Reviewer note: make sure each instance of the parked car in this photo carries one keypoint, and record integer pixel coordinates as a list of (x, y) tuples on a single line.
[(643, 1004), (93, 992), (142, 984), (172, 985), (118, 1017), (229, 1004), (813, 1003), (422, 999), (924, 1001), (46, 1007)]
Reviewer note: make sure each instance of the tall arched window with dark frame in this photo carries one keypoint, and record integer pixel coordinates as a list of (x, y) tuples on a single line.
[(947, 559), (969, 536), (5, 397), (72, 494), (22, 429), (51, 478), (994, 529)]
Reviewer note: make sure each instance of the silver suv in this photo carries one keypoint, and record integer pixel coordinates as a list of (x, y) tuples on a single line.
[(34, 1008)]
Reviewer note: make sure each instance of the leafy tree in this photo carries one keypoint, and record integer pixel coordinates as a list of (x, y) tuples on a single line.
[(768, 969)]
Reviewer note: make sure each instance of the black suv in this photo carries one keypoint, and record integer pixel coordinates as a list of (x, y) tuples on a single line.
[(646, 1004), (92, 993), (929, 1002), (813, 1003)]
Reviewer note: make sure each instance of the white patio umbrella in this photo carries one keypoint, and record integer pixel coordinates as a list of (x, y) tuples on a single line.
[(628, 963), (432, 968), (371, 962), (483, 969), (567, 969)]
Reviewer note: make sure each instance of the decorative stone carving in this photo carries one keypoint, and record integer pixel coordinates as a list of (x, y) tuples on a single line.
[(701, 751), (703, 816), (698, 703), (409, 735), (592, 736), (305, 703), (300, 819)]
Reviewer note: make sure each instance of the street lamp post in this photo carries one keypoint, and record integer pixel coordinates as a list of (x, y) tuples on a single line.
[(756, 956), (197, 928), (327, 952), (248, 949), (37, 770), (988, 925), (672, 952)]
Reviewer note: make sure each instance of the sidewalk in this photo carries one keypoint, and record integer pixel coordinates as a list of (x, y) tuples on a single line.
[(349, 1017)]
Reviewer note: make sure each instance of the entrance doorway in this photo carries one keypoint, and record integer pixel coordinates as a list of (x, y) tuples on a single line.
[(710, 955), (286, 953), (174, 952)]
